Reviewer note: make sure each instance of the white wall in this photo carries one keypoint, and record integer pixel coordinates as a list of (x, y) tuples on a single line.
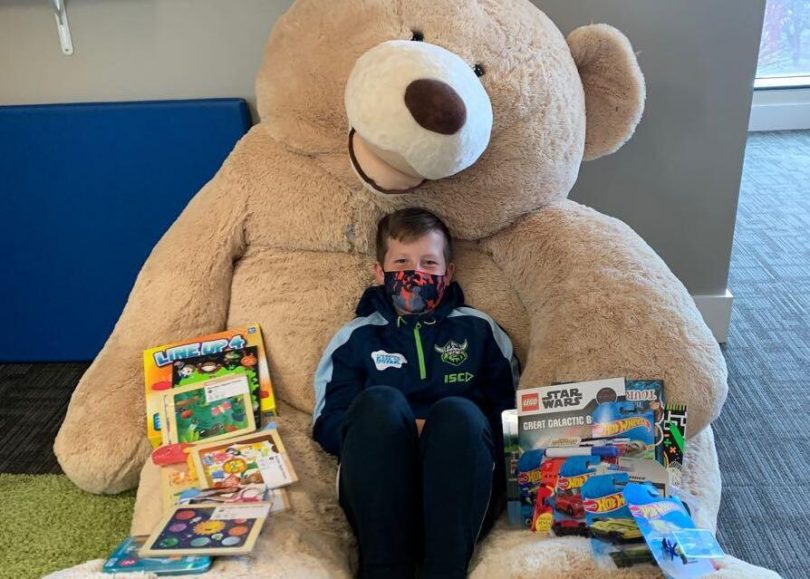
[(134, 49)]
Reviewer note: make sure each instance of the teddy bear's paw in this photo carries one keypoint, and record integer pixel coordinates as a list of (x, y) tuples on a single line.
[(521, 554), (731, 567)]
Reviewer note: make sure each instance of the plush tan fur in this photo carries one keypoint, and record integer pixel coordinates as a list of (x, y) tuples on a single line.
[(282, 235)]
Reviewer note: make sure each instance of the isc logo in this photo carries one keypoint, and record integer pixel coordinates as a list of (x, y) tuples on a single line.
[(530, 402), (460, 377)]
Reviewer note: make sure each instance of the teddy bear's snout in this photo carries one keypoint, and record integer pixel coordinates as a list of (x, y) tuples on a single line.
[(435, 106), (417, 112)]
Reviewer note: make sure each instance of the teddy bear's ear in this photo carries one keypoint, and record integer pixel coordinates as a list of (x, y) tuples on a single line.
[(613, 84)]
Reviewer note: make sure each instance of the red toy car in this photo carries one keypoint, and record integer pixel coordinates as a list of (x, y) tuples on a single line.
[(570, 504), (570, 527)]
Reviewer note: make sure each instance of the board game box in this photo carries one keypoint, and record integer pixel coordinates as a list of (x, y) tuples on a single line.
[(237, 352)]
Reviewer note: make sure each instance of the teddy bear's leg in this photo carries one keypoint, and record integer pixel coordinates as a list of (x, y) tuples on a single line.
[(287, 548), (701, 477)]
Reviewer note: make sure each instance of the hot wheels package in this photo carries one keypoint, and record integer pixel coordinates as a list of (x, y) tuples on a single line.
[(681, 550), (615, 537), (623, 420), (569, 512)]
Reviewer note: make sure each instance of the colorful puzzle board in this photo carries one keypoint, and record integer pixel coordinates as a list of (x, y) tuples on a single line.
[(207, 529), (257, 458), (208, 411)]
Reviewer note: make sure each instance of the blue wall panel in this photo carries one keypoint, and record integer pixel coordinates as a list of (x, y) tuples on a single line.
[(86, 190)]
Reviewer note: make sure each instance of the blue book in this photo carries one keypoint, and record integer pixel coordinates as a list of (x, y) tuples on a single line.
[(125, 559)]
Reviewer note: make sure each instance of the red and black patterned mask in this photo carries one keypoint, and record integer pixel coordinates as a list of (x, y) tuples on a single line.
[(415, 292)]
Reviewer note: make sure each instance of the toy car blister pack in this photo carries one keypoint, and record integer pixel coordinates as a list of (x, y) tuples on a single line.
[(568, 501), (680, 551), (535, 477), (610, 524)]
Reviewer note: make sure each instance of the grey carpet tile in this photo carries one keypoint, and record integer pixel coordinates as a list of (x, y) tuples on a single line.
[(763, 437)]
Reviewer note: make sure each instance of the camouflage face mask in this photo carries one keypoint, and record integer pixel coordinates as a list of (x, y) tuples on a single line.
[(415, 292)]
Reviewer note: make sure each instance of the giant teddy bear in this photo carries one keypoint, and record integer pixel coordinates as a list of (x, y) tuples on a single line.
[(479, 110)]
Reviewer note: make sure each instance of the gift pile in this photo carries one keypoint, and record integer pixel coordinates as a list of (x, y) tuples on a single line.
[(224, 468), (603, 459)]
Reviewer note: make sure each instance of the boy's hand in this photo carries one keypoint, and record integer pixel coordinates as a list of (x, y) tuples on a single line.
[(420, 423)]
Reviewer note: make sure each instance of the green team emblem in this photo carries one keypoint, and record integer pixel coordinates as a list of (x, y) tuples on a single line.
[(453, 352)]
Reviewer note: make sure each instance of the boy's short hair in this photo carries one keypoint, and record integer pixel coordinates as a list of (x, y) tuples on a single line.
[(407, 225)]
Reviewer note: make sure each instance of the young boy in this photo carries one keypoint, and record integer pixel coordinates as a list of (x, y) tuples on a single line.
[(409, 396)]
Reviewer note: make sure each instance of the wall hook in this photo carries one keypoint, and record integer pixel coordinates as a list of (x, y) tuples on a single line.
[(62, 27)]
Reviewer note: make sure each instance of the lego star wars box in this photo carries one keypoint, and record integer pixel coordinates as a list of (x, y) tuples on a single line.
[(550, 416), (563, 415)]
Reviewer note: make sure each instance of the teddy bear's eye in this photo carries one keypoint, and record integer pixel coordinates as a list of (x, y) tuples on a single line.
[(417, 36), (478, 69)]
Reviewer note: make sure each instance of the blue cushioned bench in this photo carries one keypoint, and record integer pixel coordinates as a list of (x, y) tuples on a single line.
[(86, 190)]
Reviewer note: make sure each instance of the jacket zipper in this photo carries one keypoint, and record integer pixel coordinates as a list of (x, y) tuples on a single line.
[(419, 353)]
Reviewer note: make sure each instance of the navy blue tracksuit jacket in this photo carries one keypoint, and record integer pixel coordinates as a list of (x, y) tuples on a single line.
[(455, 350)]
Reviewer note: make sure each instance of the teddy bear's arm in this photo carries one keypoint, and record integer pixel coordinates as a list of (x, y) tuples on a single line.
[(182, 291), (602, 304)]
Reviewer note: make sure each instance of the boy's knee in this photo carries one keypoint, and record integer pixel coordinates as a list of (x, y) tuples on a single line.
[(379, 409), (457, 415)]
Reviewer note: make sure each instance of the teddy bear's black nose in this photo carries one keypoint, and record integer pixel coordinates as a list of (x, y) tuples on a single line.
[(435, 106)]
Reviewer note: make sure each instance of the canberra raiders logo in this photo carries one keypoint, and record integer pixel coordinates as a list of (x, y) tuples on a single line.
[(453, 352)]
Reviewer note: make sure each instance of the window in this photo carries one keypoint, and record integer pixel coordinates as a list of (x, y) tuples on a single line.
[(784, 52)]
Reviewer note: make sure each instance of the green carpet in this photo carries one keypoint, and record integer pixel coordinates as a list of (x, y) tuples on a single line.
[(47, 523)]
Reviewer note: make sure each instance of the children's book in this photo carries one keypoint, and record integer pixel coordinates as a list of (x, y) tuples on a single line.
[(208, 411), (230, 353), (560, 415), (175, 479), (125, 559), (258, 458), (207, 529)]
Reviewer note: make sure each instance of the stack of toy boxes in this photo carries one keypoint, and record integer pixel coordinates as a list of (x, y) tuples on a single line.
[(573, 447)]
